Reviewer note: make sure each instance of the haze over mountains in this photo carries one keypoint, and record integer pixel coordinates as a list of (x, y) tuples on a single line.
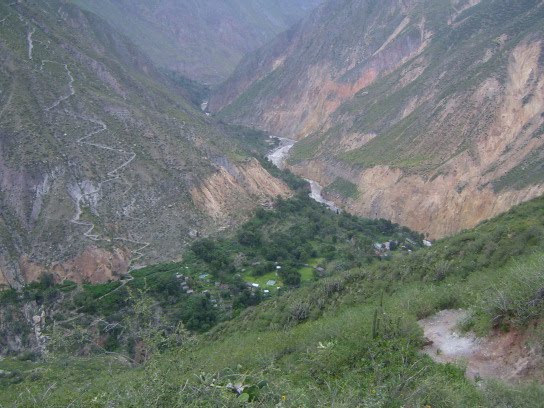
[(429, 113), (203, 40)]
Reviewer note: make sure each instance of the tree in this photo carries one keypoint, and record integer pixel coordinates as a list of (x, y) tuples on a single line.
[(263, 268), (290, 276), (47, 280), (204, 249), (249, 237), (199, 313)]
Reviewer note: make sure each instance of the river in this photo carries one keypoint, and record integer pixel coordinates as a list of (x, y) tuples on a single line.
[(278, 156)]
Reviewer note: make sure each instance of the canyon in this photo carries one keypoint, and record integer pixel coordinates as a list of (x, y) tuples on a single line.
[(433, 114), (429, 114), (201, 40)]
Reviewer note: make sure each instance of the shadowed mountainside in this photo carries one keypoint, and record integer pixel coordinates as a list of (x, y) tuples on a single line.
[(203, 40)]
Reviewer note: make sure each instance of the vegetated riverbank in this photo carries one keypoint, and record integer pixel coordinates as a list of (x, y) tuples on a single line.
[(278, 156)]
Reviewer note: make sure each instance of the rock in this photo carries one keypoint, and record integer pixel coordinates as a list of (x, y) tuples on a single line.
[(427, 342)]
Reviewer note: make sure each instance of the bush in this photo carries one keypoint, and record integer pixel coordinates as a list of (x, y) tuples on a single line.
[(520, 297), (249, 238), (47, 280), (500, 395), (198, 313), (290, 276)]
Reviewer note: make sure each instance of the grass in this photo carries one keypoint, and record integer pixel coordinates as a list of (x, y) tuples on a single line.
[(307, 275), (305, 149), (315, 346), (528, 172), (261, 280), (343, 187)]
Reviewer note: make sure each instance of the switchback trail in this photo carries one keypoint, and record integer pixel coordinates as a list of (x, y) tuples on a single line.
[(86, 191), (30, 43)]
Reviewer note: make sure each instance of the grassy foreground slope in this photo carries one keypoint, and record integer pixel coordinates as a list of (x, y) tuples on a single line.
[(349, 340)]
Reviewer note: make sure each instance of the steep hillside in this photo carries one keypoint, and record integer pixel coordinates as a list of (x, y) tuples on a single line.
[(427, 113), (204, 40), (102, 164), (291, 85), (292, 245), (348, 339)]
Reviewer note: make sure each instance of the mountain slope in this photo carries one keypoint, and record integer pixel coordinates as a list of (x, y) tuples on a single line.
[(102, 164), (432, 112), (204, 40), (347, 340), (292, 84)]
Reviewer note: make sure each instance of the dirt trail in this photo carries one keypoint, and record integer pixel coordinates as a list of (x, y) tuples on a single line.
[(30, 43), (504, 356)]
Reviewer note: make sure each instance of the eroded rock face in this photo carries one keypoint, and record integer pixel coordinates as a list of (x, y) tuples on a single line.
[(510, 357), (93, 265), (462, 192), (232, 191), (308, 72), (10, 276), (435, 207), (3, 281)]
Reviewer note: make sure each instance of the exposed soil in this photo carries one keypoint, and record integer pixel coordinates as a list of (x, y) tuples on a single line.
[(506, 356)]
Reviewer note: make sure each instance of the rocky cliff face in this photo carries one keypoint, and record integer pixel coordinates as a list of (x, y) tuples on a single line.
[(437, 122), (292, 85), (232, 191), (99, 155)]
